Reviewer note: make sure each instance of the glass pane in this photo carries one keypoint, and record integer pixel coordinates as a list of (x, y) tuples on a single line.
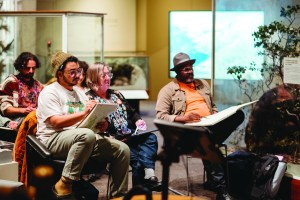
[(191, 32), (42, 34), (84, 37), (236, 21)]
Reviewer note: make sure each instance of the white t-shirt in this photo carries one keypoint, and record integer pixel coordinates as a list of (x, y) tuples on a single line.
[(57, 100)]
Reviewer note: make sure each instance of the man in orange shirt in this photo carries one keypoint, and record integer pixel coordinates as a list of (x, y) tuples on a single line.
[(186, 99)]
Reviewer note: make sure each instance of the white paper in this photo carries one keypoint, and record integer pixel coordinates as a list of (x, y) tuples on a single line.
[(98, 114), (291, 70), (217, 117)]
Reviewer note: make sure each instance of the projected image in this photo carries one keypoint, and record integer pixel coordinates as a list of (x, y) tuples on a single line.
[(191, 32)]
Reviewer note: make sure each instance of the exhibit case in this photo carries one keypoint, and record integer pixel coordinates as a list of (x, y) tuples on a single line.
[(45, 32)]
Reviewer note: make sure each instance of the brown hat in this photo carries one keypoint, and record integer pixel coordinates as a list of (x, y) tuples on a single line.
[(181, 59), (58, 59)]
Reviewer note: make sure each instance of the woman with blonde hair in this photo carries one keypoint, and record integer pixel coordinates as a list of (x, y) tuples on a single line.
[(123, 123)]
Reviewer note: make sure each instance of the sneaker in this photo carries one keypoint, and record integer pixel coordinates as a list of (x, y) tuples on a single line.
[(153, 184), (223, 196)]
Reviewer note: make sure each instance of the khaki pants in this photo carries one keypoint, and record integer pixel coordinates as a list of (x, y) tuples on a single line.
[(77, 145)]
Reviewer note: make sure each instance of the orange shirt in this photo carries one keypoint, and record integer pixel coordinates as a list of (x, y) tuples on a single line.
[(194, 101)]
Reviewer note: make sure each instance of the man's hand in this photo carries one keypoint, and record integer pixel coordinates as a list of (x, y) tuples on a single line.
[(13, 125), (27, 110), (89, 106), (191, 117)]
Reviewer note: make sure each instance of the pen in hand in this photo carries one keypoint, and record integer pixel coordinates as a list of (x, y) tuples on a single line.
[(135, 132)]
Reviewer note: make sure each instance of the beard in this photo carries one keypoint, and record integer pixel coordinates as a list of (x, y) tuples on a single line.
[(70, 83), (186, 79), (28, 76)]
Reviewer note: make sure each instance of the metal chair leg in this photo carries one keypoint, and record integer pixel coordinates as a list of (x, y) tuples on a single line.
[(185, 161)]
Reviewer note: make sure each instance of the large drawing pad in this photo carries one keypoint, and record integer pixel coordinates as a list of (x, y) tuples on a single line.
[(181, 139)]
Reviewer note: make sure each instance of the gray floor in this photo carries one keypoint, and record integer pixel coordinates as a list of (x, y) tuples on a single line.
[(178, 176)]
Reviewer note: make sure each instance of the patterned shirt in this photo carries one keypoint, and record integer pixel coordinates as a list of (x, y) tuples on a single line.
[(17, 92), (122, 121)]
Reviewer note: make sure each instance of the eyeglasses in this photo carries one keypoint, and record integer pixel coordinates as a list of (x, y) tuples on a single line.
[(110, 75), (75, 72), (186, 69)]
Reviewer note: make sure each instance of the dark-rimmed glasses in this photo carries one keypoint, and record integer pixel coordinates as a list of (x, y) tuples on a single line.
[(74, 72)]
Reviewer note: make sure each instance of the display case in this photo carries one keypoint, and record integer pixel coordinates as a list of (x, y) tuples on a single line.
[(46, 32)]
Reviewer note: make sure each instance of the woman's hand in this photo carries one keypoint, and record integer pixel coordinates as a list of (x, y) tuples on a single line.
[(102, 126), (141, 124)]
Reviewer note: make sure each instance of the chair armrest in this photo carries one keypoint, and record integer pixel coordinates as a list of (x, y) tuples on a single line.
[(8, 134), (38, 146)]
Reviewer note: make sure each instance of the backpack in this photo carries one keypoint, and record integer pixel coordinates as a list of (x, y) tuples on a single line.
[(267, 175), (254, 177), (240, 172)]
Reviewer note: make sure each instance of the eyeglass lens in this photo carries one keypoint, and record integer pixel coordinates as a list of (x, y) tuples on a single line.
[(110, 75), (73, 73)]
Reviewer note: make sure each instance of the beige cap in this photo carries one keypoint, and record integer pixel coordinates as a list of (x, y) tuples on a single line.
[(58, 59)]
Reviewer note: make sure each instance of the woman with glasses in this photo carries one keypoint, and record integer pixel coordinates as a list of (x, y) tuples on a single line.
[(81, 82), (123, 123)]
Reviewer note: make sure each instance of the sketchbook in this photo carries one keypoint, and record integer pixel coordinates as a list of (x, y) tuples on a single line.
[(141, 132), (217, 117), (99, 112)]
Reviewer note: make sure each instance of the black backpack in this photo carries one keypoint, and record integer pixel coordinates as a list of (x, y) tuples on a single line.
[(240, 174), (264, 169), (251, 176)]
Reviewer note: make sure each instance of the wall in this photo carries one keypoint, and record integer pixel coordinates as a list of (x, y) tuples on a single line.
[(157, 37), (139, 26), (119, 23)]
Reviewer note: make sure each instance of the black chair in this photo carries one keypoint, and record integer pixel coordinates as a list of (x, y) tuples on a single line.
[(37, 154), (7, 134), (180, 139)]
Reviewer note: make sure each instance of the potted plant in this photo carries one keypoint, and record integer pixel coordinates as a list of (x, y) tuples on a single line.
[(277, 40)]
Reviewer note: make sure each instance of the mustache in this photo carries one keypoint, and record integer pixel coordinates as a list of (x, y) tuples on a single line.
[(28, 75)]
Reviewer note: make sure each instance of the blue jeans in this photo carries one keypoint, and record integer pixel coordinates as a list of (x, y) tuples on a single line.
[(143, 151)]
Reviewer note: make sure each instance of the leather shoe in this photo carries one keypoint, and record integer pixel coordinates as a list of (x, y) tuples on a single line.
[(153, 184), (223, 196), (62, 197)]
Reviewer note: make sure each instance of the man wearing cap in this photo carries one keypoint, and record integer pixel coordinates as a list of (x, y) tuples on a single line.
[(186, 99), (61, 107)]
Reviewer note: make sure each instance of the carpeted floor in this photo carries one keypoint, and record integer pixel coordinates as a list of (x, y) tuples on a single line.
[(178, 176)]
